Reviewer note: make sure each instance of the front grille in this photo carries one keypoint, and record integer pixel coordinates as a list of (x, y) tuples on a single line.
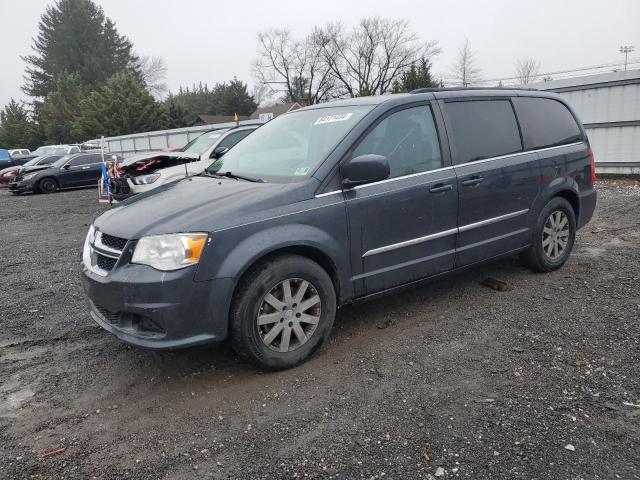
[(111, 317), (104, 262), (116, 243)]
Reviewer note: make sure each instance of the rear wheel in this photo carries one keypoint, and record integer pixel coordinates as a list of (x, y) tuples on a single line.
[(47, 185), (282, 312), (554, 237)]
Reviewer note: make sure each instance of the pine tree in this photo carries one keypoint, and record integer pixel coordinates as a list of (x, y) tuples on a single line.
[(235, 98), (416, 77), (122, 106), (75, 36), (17, 130), (175, 115), (60, 109)]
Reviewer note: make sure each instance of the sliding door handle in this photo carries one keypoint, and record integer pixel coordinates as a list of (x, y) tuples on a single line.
[(441, 188), (472, 182)]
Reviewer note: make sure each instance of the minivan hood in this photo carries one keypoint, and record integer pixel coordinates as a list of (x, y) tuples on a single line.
[(196, 204)]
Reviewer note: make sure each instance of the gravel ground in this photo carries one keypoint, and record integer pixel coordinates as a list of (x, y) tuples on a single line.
[(449, 380)]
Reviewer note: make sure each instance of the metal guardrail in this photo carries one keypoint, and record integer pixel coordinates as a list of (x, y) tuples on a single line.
[(127, 145)]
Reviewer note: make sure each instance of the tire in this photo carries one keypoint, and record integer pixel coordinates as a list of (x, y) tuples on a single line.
[(47, 185), (557, 216), (262, 341)]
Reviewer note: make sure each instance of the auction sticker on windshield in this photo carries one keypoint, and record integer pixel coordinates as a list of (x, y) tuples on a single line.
[(333, 118)]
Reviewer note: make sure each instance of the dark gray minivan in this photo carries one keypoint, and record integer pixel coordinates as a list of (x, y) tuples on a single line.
[(335, 203)]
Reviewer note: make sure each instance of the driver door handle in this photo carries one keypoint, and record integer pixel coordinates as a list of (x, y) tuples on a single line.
[(472, 182), (441, 188)]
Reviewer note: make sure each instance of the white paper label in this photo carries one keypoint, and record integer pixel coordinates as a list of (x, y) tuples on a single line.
[(333, 118)]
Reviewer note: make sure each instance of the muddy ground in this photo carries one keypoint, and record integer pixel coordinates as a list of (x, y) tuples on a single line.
[(451, 379)]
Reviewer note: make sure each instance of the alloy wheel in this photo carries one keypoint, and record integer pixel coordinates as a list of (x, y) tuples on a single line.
[(289, 315), (555, 235)]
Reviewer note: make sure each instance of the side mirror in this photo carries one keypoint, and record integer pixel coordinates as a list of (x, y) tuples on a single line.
[(66, 166), (219, 151), (365, 169)]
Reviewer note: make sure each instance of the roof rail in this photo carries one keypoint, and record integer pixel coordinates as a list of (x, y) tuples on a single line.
[(453, 89)]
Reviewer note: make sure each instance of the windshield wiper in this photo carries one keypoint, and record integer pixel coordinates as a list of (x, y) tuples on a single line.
[(234, 175)]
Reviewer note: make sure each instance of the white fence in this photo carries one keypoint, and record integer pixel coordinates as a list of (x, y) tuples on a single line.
[(127, 145)]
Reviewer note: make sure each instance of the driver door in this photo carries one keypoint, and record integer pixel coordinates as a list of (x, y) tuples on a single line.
[(403, 228)]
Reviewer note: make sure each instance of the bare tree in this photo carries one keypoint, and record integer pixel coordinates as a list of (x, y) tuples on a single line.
[(465, 72), (366, 60), (527, 70), (263, 94), (296, 65), (154, 73)]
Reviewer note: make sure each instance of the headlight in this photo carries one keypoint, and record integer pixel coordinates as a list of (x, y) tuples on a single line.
[(86, 252), (28, 176), (170, 252), (145, 179)]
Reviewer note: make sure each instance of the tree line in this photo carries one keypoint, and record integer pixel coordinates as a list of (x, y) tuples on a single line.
[(85, 80)]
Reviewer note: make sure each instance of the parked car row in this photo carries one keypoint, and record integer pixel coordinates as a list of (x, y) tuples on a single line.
[(68, 171), (333, 204), (59, 167)]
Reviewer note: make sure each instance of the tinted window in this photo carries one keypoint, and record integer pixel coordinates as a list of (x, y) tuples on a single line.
[(547, 122), (81, 160), (230, 140), (408, 139), (483, 129)]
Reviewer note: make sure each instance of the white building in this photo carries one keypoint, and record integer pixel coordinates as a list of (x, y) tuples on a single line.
[(609, 106)]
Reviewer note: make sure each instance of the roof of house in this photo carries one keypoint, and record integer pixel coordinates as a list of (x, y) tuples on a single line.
[(277, 109), (213, 119)]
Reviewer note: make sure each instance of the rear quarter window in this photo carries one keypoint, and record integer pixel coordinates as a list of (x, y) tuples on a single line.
[(483, 129), (547, 122)]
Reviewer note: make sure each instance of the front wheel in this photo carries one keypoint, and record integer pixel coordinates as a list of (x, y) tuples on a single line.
[(553, 238), (282, 312), (47, 185)]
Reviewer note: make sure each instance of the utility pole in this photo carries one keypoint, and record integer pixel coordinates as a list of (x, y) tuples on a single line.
[(626, 49)]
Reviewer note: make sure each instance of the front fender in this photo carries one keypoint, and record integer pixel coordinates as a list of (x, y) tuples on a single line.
[(325, 232)]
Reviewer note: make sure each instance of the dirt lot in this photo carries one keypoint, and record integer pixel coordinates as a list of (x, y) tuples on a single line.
[(452, 379)]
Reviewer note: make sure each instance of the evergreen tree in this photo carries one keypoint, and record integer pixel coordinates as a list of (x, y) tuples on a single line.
[(175, 115), (122, 106), (200, 100), (17, 130), (60, 109), (416, 77), (75, 36), (235, 98)]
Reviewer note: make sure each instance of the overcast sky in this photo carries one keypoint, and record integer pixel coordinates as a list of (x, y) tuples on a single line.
[(207, 41)]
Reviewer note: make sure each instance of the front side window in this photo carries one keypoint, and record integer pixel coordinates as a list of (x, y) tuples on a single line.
[(547, 122), (81, 160), (291, 146), (408, 139), (483, 129)]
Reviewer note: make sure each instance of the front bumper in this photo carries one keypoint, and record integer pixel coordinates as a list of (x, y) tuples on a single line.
[(160, 310), (21, 187)]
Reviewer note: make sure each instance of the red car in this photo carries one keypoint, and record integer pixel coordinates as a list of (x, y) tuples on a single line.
[(7, 175)]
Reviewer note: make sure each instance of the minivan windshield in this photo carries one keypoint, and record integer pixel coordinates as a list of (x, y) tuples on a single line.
[(291, 146), (203, 143)]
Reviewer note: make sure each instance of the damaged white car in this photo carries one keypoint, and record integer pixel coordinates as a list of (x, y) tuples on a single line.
[(146, 171)]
